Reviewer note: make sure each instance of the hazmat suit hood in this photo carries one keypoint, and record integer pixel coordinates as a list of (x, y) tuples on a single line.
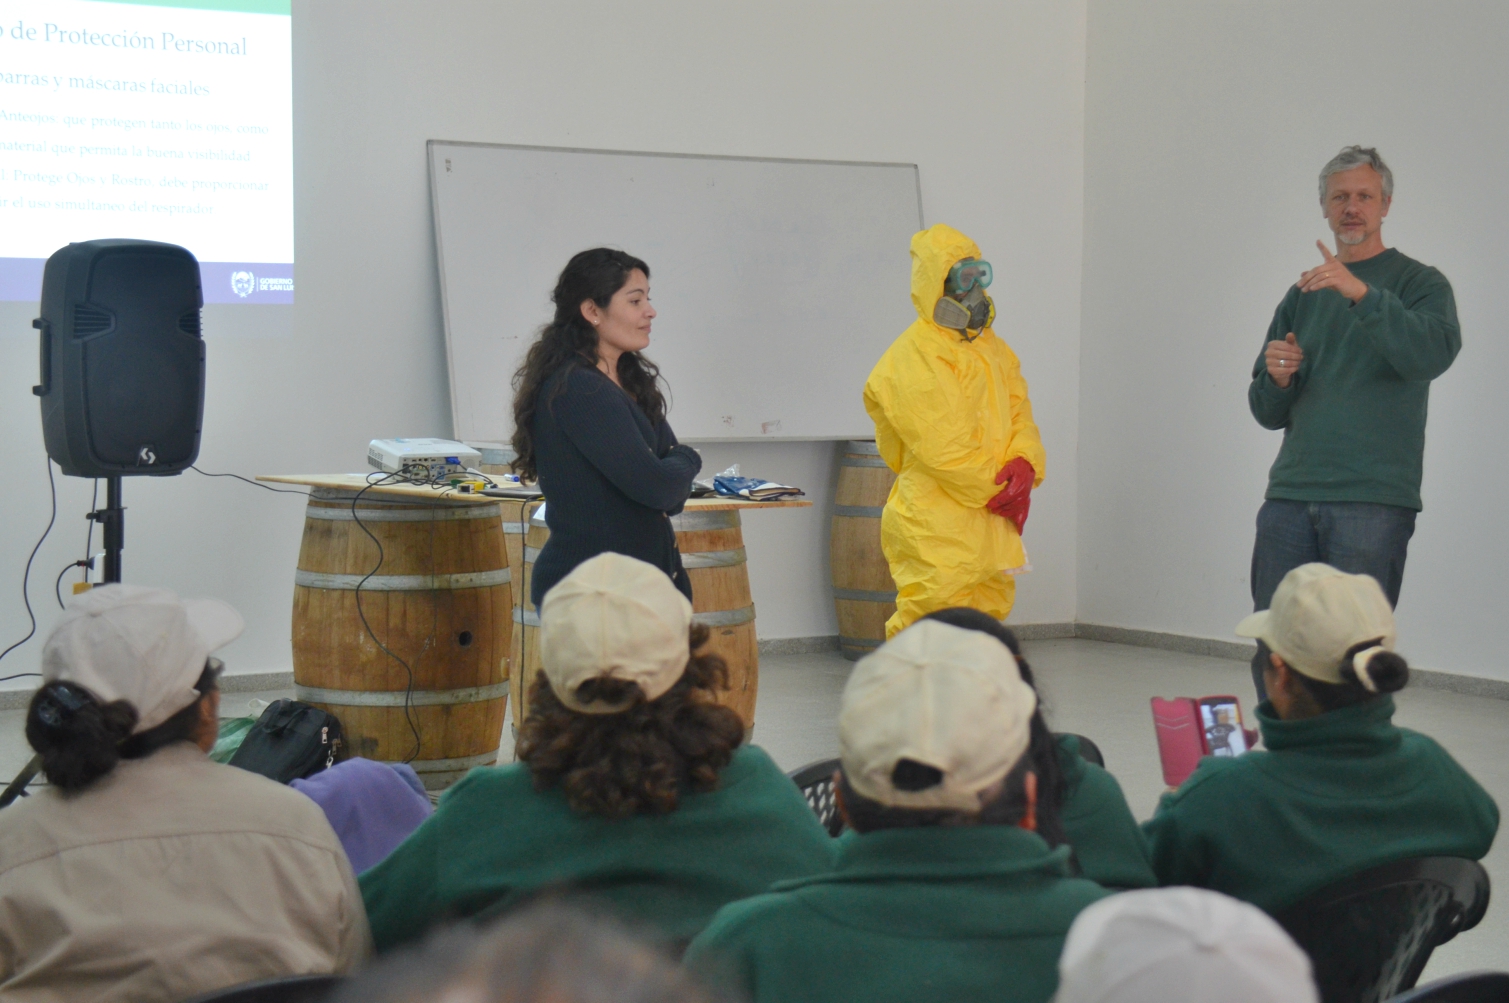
[(934, 251)]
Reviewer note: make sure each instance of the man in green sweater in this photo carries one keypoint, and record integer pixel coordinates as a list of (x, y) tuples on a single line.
[(1346, 374), (946, 893)]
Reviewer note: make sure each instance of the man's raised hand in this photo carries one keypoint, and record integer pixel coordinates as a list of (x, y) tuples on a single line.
[(1283, 358), (1332, 274)]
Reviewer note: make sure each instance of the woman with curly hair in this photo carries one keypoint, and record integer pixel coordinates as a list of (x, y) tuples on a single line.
[(589, 424), (631, 788)]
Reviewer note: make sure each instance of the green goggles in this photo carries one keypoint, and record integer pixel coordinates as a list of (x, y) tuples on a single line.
[(967, 274)]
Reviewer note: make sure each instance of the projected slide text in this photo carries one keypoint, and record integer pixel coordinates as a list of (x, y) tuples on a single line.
[(166, 121)]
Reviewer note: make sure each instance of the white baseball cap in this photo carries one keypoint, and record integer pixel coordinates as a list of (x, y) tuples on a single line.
[(1180, 945), (942, 696), (143, 645), (1319, 613), (614, 617)]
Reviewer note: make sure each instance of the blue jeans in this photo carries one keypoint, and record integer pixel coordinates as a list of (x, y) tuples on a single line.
[(1355, 537)]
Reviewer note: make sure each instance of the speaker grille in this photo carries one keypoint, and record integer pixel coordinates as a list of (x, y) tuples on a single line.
[(189, 323), (89, 320)]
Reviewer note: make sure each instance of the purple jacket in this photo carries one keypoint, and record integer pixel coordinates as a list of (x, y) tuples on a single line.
[(371, 806)]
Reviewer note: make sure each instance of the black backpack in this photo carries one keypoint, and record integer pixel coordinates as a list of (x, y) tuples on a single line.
[(290, 741)]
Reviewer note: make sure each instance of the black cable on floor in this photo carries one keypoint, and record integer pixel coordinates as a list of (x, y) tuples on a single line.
[(26, 575)]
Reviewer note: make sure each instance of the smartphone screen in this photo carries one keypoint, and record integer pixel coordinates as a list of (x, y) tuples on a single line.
[(1221, 718)]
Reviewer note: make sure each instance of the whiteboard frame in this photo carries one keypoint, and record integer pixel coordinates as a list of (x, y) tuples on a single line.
[(445, 310)]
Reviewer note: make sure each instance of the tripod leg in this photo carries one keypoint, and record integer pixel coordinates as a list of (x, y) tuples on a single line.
[(17, 786)]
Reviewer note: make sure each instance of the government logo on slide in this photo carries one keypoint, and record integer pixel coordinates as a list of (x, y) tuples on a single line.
[(242, 283)]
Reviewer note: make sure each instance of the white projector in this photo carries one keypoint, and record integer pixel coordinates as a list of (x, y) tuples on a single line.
[(429, 458)]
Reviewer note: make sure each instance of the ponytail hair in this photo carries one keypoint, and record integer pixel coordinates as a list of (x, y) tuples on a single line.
[(1368, 670), (81, 739), (77, 737), (1375, 668)]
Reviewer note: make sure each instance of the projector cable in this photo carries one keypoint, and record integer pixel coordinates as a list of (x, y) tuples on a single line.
[(408, 693), (255, 484)]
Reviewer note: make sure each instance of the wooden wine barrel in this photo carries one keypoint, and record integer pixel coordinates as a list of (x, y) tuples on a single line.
[(515, 523), (712, 549), (863, 592), (524, 651), (439, 600)]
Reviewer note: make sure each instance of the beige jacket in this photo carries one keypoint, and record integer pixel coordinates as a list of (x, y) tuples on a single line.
[(168, 877)]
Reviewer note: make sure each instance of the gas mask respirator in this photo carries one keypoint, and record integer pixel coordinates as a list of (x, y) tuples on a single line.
[(965, 307)]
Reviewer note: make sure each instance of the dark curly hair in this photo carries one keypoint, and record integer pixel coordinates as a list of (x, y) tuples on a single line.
[(569, 340), (639, 760)]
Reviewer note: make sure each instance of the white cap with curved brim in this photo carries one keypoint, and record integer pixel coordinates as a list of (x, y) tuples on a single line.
[(614, 617), (142, 645), (942, 696), (1317, 615), (1180, 945)]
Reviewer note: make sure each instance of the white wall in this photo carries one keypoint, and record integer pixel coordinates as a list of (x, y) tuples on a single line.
[(1206, 127), (998, 137)]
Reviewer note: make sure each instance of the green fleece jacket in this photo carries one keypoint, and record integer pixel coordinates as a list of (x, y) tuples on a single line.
[(1354, 414), (957, 914), (1108, 844), (494, 840), (1332, 795)]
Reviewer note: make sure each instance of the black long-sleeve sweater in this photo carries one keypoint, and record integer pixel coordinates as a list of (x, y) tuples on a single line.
[(611, 478)]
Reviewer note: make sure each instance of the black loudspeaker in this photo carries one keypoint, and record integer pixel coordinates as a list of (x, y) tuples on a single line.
[(122, 358)]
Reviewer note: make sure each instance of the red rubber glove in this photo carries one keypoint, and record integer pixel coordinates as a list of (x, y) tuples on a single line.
[(1017, 512), (1015, 499)]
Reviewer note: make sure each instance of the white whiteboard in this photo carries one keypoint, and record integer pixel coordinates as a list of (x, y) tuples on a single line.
[(778, 283)]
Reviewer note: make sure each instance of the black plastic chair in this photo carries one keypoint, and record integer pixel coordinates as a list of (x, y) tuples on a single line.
[(294, 989), (1088, 750), (1370, 935), (1469, 987), (815, 780)]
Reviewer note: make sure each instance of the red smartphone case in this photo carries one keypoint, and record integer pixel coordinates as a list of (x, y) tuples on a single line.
[(1181, 739)]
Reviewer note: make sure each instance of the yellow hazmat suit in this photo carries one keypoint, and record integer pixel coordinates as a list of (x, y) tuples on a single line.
[(949, 414)]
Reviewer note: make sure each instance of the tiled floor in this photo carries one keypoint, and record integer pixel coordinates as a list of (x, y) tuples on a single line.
[(1100, 690)]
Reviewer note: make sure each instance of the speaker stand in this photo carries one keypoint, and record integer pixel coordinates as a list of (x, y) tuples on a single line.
[(112, 519)]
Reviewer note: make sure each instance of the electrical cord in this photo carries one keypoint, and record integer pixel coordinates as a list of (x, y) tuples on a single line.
[(57, 586), (94, 504), (408, 693), (26, 576), (255, 484)]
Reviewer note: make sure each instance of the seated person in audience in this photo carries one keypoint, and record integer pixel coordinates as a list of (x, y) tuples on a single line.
[(543, 953), (1340, 788), (1181, 945), (147, 872), (371, 806), (946, 893), (1079, 803), (632, 785)]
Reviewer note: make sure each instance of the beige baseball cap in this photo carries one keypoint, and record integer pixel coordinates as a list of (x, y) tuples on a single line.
[(144, 645), (942, 696), (614, 617), (1180, 945), (1317, 614)]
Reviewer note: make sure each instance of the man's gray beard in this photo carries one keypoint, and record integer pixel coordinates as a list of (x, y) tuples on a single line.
[(1352, 241)]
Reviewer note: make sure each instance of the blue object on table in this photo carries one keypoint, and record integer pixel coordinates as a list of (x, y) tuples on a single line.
[(753, 488)]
